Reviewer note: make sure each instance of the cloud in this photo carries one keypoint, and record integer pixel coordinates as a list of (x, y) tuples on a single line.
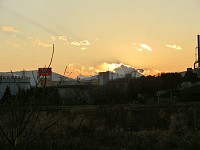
[(83, 48), (146, 47), (84, 43), (60, 37), (142, 47), (63, 38), (119, 69), (175, 47), (70, 66), (78, 70), (75, 43), (152, 72), (91, 68), (53, 38), (39, 42), (9, 29), (15, 45), (124, 69)]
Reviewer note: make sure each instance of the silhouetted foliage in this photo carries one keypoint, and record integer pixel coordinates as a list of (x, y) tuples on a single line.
[(97, 95), (189, 94), (7, 95), (140, 89), (190, 77), (170, 80), (143, 85), (115, 91), (47, 96), (23, 97)]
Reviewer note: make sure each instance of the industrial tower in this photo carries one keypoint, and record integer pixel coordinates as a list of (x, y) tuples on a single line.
[(197, 54)]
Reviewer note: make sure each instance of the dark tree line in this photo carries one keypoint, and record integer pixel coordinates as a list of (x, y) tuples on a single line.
[(124, 90), (140, 89), (47, 96)]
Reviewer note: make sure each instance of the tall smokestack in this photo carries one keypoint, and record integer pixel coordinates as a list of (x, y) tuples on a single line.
[(198, 38)]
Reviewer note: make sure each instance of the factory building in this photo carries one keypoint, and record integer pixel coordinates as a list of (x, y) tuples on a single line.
[(104, 77), (14, 82)]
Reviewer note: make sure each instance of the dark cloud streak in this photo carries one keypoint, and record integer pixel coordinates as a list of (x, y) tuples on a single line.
[(32, 22)]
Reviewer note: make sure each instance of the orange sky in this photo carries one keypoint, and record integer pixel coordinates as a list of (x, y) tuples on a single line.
[(155, 35)]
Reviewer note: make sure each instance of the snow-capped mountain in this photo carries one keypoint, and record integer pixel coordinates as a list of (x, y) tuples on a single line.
[(86, 78), (114, 76)]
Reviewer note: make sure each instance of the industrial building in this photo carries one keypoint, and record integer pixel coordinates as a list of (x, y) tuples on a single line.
[(104, 77), (14, 82)]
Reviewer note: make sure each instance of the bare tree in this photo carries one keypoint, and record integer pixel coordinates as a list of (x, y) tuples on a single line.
[(21, 126)]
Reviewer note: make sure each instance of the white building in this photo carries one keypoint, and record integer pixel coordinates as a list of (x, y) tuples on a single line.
[(14, 82), (104, 77)]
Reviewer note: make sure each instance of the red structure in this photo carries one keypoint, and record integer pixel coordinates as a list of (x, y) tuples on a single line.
[(44, 72), (45, 76)]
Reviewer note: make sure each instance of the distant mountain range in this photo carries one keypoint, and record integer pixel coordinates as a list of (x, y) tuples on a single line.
[(119, 72), (32, 74), (113, 75)]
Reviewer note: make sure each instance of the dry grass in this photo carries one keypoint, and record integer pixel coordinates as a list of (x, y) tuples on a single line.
[(113, 127)]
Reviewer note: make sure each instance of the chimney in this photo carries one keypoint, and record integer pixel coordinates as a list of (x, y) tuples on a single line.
[(198, 38)]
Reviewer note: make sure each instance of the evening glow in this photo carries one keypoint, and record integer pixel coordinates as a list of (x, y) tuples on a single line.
[(94, 36)]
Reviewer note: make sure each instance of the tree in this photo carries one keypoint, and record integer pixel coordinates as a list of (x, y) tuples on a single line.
[(7, 95), (190, 77), (170, 80)]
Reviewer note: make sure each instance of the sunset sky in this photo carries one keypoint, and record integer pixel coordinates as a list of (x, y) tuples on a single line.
[(98, 35)]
